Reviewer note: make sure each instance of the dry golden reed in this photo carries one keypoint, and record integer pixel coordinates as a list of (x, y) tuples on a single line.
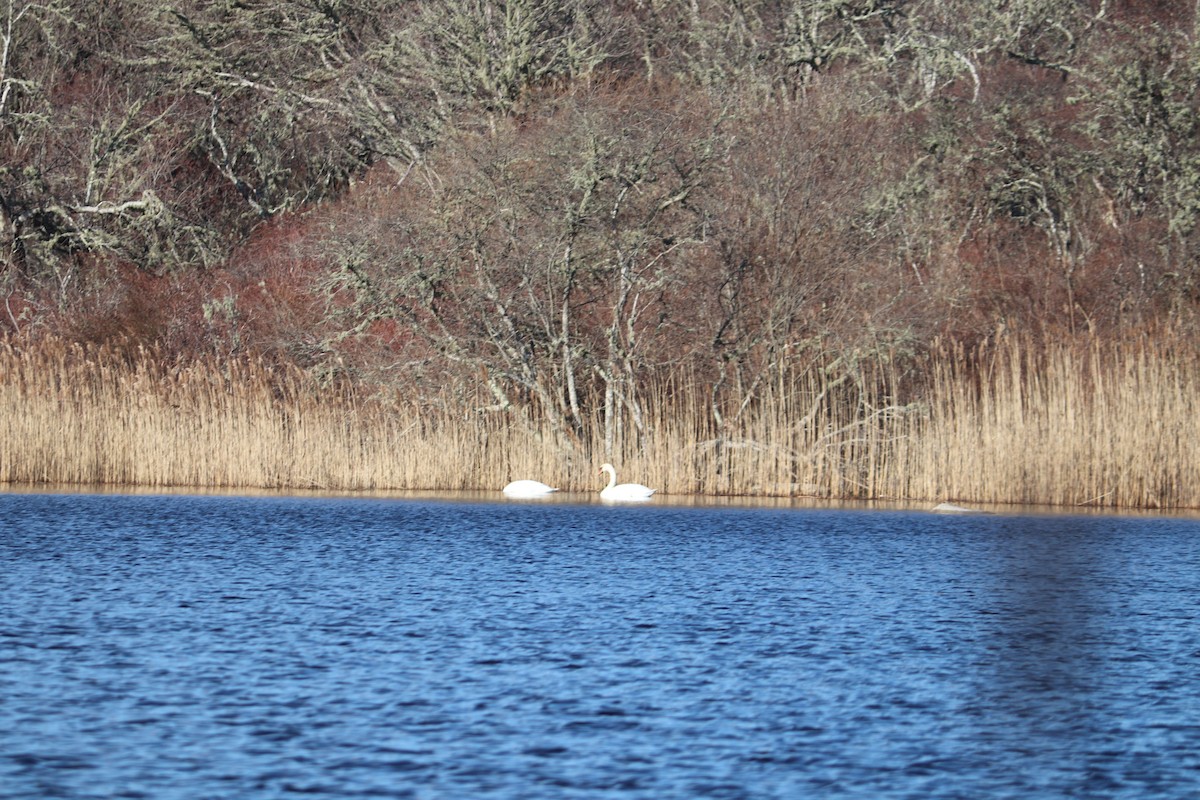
[(1109, 426)]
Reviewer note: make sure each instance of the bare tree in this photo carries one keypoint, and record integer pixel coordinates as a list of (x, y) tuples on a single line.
[(545, 256)]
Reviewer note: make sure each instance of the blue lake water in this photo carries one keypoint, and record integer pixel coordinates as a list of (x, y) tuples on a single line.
[(233, 647)]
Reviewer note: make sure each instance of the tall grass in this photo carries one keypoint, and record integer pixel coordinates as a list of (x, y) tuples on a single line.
[(1107, 426)]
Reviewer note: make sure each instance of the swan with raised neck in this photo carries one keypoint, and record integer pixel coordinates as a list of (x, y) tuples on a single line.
[(622, 491)]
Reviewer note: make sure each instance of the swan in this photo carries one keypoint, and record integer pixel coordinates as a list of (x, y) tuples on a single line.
[(622, 491), (528, 489)]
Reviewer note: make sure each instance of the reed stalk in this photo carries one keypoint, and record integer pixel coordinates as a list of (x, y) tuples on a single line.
[(1110, 426)]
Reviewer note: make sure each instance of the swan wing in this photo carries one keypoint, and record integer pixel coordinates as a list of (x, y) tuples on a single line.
[(627, 491)]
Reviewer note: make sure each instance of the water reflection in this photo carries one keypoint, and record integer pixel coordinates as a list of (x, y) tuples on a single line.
[(1045, 614), (256, 647), (1058, 652)]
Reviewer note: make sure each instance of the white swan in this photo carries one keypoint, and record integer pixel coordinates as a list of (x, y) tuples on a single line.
[(528, 489), (622, 491)]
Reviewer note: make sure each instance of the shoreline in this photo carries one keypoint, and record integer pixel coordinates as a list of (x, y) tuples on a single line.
[(660, 501)]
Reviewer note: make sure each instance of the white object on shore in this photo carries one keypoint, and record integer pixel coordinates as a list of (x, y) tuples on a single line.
[(623, 492), (527, 489)]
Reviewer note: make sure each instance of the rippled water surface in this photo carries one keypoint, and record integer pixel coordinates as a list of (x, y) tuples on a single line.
[(216, 647)]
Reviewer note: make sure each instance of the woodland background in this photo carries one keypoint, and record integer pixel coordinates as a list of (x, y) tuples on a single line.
[(562, 210)]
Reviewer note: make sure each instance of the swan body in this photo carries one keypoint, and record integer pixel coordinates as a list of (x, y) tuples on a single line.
[(528, 489), (623, 491)]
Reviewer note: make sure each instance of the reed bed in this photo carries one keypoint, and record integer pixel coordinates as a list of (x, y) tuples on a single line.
[(1103, 426), (1112, 426)]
